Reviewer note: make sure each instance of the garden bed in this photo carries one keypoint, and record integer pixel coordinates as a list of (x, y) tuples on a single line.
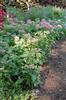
[(25, 46)]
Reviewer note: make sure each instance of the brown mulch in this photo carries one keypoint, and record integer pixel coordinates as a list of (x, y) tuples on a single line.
[(54, 74)]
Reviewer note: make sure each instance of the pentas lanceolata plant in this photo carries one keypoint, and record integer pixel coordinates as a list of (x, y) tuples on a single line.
[(2, 15)]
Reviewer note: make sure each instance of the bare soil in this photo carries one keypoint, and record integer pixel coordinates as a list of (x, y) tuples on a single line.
[(54, 74)]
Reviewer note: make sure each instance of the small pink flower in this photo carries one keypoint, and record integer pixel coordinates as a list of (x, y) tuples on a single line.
[(2, 14), (42, 24), (45, 24), (1, 24), (12, 15), (43, 20)]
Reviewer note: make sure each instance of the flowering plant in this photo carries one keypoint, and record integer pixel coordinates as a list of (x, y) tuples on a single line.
[(2, 14)]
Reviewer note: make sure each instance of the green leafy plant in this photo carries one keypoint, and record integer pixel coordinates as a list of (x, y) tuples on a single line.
[(22, 53)]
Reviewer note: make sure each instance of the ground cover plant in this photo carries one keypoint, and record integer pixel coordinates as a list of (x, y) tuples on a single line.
[(25, 45)]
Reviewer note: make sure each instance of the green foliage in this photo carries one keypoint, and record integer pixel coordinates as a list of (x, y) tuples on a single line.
[(44, 12), (22, 53), (20, 60), (19, 65), (18, 12)]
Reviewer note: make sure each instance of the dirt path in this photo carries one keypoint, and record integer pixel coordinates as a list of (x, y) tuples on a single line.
[(54, 75)]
